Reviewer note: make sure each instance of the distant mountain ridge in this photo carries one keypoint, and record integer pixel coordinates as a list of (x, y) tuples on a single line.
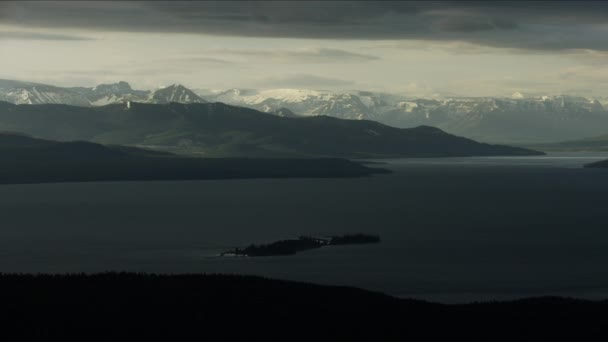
[(217, 129), (517, 118), (509, 119), (19, 92), (591, 144)]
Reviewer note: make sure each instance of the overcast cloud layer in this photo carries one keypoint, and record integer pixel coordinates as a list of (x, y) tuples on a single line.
[(527, 25), (462, 47)]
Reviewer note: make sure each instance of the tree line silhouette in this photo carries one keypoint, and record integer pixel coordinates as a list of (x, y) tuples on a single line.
[(114, 306)]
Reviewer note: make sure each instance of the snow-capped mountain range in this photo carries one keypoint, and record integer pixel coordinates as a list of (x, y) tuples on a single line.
[(516, 118), (299, 101), (19, 92)]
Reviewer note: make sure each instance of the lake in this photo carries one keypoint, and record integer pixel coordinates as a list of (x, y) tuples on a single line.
[(452, 229)]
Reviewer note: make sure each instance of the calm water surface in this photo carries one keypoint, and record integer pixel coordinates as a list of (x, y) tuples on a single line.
[(452, 229)]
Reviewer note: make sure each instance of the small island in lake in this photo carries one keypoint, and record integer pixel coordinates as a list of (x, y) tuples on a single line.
[(292, 246)]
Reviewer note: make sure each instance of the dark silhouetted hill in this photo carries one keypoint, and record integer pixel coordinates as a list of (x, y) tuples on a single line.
[(125, 306), (28, 160), (603, 164), (216, 129)]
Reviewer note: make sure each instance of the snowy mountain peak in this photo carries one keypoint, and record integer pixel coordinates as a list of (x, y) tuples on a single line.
[(119, 88), (517, 95), (173, 86), (175, 93)]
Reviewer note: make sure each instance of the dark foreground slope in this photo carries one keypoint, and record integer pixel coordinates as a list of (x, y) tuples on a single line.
[(228, 308), (216, 129), (603, 164), (27, 160)]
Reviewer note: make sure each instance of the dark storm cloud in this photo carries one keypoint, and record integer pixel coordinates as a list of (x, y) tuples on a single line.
[(526, 25), (472, 24)]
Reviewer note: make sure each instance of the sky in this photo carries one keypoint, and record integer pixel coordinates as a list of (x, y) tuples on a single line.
[(418, 48)]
